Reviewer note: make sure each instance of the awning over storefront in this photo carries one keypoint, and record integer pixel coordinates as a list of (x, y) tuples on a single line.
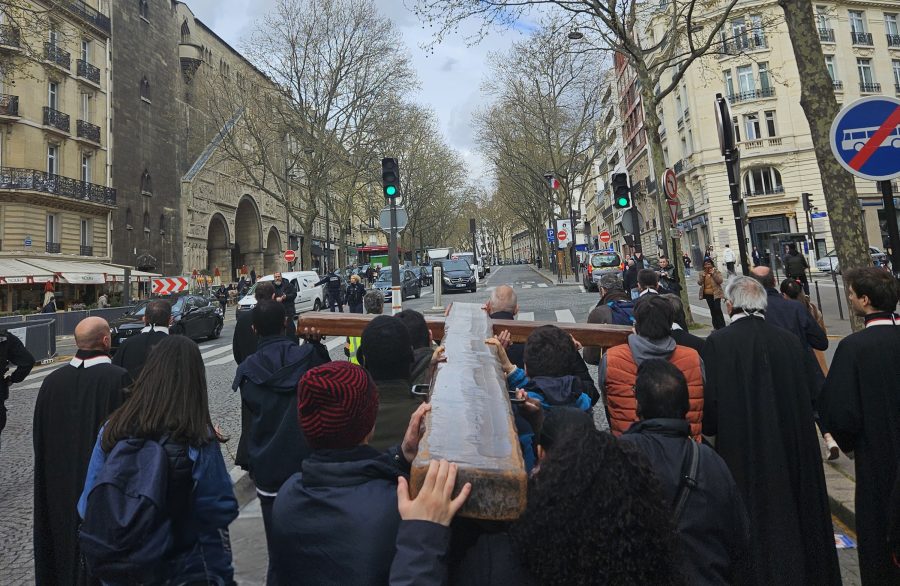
[(16, 272), (42, 270)]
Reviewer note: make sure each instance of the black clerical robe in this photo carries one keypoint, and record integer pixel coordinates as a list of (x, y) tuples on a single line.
[(74, 401), (757, 402), (132, 354), (860, 405)]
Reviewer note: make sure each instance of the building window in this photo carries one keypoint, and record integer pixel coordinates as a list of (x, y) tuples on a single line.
[(729, 82), (53, 35), (162, 224), (890, 24), (739, 33), (751, 126), (185, 33), (146, 183), (86, 232), (737, 129), (53, 229), (864, 67), (143, 8), (86, 107), (756, 26), (53, 159), (763, 181), (746, 83), (86, 168), (832, 67), (129, 219), (684, 146), (764, 76), (145, 88), (147, 223), (53, 95), (770, 123), (822, 17), (858, 21), (895, 66)]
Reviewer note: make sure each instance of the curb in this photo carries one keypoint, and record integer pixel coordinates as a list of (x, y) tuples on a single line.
[(243, 486), (841, 495), (552, 281)]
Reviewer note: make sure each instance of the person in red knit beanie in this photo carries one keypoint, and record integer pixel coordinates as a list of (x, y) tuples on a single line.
[(336, 521)]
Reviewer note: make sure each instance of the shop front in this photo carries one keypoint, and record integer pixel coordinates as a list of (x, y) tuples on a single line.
[(696, 238)]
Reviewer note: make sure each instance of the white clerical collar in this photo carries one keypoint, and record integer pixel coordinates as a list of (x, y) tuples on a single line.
[(742, 315), (676, 327), (648, 291), (882, 321), (78, 362), (163, 329)]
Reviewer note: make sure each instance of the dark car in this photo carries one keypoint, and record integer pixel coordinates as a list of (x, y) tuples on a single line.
[(457, 275), (424, 274), (409, 284), (193, 316)]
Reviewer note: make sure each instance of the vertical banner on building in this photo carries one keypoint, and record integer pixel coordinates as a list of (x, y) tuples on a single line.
[(564, 233)]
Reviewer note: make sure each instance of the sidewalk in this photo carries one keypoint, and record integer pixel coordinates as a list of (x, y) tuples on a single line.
[(552, 278)]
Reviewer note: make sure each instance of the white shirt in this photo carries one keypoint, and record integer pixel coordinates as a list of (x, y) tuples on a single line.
[(163, 329), (729, 255)]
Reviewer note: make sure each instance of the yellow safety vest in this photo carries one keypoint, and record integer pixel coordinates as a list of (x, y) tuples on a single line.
[(352, 347)]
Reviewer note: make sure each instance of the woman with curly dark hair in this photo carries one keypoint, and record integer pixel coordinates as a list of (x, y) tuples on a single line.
[(595, 515)]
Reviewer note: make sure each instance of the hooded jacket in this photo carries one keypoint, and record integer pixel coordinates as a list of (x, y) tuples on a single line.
[(551, 391), (618, 373), (268, 382), (602, 314)]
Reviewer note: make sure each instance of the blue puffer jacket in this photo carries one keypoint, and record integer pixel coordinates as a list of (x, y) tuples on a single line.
[(212, 509), (336, 521)]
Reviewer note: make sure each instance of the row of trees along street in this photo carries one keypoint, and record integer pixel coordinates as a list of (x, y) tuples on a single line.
[(613, 26), (314, 138)]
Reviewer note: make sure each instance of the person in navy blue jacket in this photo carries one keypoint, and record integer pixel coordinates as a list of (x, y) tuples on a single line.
[(268, 382), (335, 522)]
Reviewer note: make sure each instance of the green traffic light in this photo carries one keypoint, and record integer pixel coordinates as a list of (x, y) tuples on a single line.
[(622, 202), (390, 190)]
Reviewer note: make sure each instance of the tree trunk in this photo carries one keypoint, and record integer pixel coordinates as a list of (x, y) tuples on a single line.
[(820, 107)]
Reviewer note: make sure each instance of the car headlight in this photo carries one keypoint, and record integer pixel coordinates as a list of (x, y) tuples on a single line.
[(446, 279), (472, 278), (113, 331)]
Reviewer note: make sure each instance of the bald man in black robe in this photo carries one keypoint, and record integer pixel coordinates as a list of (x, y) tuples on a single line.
[(74, 401)]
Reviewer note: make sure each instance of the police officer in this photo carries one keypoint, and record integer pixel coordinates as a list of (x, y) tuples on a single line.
[(332, 283), (12, 350)]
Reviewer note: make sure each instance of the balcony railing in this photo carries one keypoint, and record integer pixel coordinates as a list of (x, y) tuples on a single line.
[(9, 105), (88, 131), (893, 40), (861, 38), (765, 191), (838, 85), (9, 36), (678, 166), (871, 88), (687, 113), (56, 119), (767, 92), (53, 247), (680, 122), (32, 180), (57, 56), (86, 250), (740, 44), (89, 14), (88, 71), (826, 35)]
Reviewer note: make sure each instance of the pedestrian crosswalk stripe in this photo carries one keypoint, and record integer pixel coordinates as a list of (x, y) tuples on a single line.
[(221, 361), (216, 351), (543, 285), (334, 343), (489, 289), (525, 316), (582, 288), (526, 286), (565, 316)]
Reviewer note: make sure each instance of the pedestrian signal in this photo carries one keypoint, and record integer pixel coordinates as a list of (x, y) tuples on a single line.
[(621, 191)]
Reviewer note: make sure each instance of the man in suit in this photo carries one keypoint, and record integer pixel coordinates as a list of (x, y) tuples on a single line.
[(132, 354)]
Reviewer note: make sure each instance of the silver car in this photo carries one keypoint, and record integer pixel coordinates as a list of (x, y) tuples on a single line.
[(829, 262)]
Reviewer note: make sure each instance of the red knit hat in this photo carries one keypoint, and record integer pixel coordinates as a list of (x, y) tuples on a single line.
[(337, 404)]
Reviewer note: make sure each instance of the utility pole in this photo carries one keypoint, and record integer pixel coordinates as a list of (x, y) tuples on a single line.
[(890, 213), (390, 178)]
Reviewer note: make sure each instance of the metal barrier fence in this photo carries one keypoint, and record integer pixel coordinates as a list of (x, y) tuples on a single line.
[(65, 320), (39, 337)]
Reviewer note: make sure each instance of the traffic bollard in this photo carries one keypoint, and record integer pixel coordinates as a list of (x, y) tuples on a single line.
[(437, 283), (837, 293)]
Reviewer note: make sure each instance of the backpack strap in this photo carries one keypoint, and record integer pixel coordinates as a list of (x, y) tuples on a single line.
[(688, 479)]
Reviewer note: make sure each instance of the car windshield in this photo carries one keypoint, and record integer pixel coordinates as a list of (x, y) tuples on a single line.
[(455, 265), (384, 275), (469, 258), (605, 260), (179, 303)]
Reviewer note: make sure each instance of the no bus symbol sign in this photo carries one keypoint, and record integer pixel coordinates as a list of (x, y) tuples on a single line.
[(865, 138)]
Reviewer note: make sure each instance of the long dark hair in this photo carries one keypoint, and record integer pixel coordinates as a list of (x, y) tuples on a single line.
[(168, 398)]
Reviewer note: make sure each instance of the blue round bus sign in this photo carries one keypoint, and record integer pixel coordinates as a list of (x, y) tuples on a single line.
[(865, 138)]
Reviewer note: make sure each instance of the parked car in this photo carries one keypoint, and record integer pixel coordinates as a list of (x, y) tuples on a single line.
[(409, 284), (309, 297), (829, 262), (457, 275), (598, 264), (194, 316)]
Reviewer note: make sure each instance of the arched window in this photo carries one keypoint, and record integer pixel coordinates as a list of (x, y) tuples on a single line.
[(162, 224), (763, 181), (146, 183), (147, 222), (145, 88), (143, 8), (129, 219), (185, 32)]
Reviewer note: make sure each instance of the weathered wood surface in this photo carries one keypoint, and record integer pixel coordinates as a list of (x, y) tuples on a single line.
[(343, 324), (471, 421)]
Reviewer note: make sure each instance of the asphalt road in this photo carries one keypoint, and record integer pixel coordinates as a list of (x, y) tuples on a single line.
[(538, 298)]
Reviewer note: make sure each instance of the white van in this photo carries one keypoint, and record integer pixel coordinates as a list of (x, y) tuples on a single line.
[(475, 263), (309, 296)]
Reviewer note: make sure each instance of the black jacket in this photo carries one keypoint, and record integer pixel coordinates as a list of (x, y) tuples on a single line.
[(336, 521), (685, 338), (629, 279), (132, 354), (268, 383), (714, 528), (355, 293), (12, 351), (332, 282), (795, 264), (290, 295)]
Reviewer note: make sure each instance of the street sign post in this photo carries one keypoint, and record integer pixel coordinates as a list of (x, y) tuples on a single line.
[(551, 235), (384, 219), (865, 140), (670, 184), (605, 237), (673, 210), (290, 256), (564, 232)]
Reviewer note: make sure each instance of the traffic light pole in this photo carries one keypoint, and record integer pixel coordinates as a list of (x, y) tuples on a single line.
[(734, 184), (396, 303)]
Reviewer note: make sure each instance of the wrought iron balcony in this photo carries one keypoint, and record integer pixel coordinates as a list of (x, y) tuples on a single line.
[(56, 119), (870, 88), (53, 247), (893, 40), (89, 14), (838, 85), (767, 92), (88, 71), (738, 45), (861, 38), (10, 36), (57, 56), (826, 35), (32, 180), (9, 105), (765, 191), (678, 167), (86, 250), (88, 131)]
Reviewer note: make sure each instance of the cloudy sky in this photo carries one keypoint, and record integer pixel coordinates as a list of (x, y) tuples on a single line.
[(450, 76)]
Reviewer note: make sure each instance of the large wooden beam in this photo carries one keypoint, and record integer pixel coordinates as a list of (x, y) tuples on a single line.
[(352, 324), (471, 421)]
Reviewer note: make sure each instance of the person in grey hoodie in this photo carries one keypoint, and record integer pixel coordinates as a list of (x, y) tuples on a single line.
[(268, 382)]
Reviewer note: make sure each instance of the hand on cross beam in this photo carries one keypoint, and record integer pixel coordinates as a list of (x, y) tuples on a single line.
[(505, 364), (435, 502)]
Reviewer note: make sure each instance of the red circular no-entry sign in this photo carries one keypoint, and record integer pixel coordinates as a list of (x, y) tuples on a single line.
[(605, 237), (290, 256), (562, 235)]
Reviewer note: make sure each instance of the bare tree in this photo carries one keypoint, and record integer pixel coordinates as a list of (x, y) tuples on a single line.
[(25, 31)]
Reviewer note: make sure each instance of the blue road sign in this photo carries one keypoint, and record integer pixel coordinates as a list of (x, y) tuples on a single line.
[(865, 138), (551, 235)]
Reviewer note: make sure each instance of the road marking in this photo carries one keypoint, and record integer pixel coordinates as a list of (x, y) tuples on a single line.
[(582, 288), (221, 361), (543, 285), (525, 316), (701, 310), (526, 286), (218, 350), (565, 316), (335, 342), (489, 289)]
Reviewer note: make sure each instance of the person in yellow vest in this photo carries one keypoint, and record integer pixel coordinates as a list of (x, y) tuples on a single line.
[(373, 304)]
